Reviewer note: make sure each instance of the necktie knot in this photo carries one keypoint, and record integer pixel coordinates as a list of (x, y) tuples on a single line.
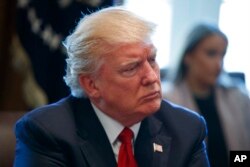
[(126, 135)]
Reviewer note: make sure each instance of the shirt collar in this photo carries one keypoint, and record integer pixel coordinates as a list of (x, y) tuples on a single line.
[(112, 127)]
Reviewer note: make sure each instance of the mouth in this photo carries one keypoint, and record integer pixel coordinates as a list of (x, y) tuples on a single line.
[(152, 96)]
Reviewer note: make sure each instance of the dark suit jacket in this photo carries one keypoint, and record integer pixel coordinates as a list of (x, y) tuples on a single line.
[(68, 133)]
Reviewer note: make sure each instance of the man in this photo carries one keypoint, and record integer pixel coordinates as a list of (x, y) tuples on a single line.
[(115, 85)]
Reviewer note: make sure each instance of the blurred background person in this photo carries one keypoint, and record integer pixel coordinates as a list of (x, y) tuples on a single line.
[(200, 83)]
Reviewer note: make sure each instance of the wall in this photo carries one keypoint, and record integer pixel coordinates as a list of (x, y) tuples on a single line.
[(185, 14)]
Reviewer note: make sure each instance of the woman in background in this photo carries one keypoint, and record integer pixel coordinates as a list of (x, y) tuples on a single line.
[(201, 85)]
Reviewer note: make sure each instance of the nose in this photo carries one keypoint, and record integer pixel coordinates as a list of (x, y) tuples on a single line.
[(150, 74), (219, 62)]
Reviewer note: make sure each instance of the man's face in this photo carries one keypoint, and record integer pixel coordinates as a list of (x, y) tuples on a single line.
[(128, 83)]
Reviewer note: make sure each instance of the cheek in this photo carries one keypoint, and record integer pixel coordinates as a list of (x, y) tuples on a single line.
[(203, 68), (209, 64), (120, 89), (201, 62), (128, 88)]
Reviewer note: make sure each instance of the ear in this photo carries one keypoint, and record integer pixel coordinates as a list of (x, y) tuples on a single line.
[(87, 82)]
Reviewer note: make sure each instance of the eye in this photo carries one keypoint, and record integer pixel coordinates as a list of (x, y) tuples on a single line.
[(130, 70), (152, 61), (211, 52)]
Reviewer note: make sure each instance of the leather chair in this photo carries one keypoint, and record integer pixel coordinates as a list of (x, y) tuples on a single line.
[(240, 76), (7, 136)]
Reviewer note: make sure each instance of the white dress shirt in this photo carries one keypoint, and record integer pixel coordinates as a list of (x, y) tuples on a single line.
[(113, 129)]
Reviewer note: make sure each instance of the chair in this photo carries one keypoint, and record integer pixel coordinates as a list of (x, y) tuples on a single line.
[(7, 136), (238, 75)]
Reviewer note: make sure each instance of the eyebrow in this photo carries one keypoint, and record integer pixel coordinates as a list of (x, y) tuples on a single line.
[(130, 61), (133, 60)]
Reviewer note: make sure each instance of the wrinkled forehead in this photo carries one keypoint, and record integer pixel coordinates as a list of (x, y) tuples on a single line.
[(133, 48)]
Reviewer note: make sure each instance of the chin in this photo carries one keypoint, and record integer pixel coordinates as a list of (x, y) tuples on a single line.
[(212, 83), (153, 106)]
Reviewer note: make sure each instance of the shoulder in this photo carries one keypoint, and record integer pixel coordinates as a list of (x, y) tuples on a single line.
[(178, 113), (55, 119), (49, 113), (181, 121), (234, 93)]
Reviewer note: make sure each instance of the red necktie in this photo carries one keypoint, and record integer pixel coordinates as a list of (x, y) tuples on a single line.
[(125, 156)]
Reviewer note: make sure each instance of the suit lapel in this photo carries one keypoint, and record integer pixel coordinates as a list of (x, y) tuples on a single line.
[(152, 133), (94, 142), (96, 148)]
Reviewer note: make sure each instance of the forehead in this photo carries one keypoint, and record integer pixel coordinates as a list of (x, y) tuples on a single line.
[(134, 50), (214, 41)]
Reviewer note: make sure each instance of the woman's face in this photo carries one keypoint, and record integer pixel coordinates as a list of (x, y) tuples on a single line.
[(205, 62)]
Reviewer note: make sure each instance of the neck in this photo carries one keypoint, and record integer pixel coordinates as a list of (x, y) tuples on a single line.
[(123, 118), (199, 89)]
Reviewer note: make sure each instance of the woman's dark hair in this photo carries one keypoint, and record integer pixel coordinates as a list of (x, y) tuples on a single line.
[(198, 33)]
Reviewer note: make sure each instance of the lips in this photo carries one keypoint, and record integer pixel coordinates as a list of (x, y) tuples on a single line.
[(152, 96)]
